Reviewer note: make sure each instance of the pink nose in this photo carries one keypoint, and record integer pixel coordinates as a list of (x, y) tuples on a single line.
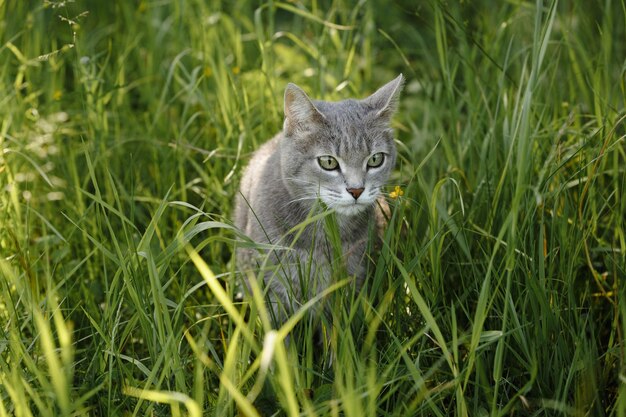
[(355, 192)]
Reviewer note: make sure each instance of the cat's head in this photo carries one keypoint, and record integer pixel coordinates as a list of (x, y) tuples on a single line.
[(341, 152)]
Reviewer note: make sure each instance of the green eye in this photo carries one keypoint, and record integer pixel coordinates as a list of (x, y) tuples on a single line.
[(376, 160), (328, 162)]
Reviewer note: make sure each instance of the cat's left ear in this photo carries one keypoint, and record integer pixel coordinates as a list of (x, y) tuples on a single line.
[(300, 112), (385, 100)]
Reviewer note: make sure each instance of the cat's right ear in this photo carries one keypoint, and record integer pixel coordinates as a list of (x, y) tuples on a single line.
[(300, 112), (385, 100)]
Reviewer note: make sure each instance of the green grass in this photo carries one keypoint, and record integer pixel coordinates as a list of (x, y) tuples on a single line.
[(499, 289)]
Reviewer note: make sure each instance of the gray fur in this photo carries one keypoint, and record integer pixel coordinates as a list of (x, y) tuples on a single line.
[(284, 182)]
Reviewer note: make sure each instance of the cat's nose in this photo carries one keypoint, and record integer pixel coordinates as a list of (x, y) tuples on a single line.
[(355, 192)]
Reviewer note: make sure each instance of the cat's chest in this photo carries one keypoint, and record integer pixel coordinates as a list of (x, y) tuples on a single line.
[(338, 238)]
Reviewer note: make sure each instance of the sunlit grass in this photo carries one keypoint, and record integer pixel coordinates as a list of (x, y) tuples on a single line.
[(498, 289)]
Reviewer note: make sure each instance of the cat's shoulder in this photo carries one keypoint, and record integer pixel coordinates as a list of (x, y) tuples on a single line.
[(259, 159), (268, 147)]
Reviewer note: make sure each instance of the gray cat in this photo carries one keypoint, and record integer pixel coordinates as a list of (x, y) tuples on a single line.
[(330, 156)]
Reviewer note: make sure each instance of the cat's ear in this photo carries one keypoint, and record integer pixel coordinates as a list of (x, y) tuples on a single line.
[(300, 112), (385, 100)]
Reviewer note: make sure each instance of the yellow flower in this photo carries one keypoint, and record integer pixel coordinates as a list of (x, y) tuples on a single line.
[(397, 192), (208, 71), (57, 95), (236, 70)]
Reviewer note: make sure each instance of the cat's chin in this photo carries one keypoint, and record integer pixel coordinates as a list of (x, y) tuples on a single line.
[(349, 209)]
